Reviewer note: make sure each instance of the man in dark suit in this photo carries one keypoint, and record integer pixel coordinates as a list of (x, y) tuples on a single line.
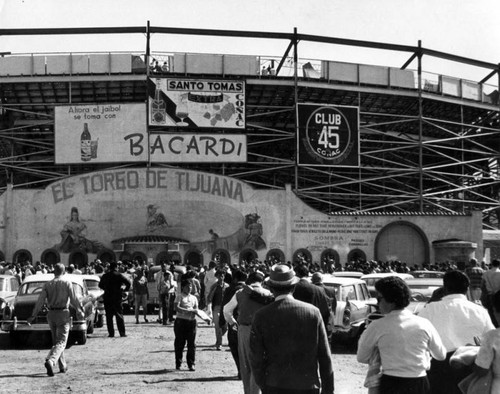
[(307, 292), (317, 280), (288, 343), (113, 283)]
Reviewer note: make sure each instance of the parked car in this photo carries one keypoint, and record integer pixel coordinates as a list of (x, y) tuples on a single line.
[(371, 279), (9, 284), (354, 304), (15, 314), (92, 283), (421, 292)]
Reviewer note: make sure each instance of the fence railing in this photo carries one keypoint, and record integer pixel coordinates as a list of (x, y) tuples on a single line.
[(110, 63)]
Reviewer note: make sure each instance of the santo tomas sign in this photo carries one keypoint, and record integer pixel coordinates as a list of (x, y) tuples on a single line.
[(328, 135)]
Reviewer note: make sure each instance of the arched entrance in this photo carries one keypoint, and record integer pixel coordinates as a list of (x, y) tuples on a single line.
[(140, 257), (106, 256), (275, 256), (78, 258), (247, 256), (50, 257), (356, 255), (161, 258), (125, 256), (402, 241), (330, 260), (194, 258), (222, 257), (175, 258), (302, 256), (22, 256)]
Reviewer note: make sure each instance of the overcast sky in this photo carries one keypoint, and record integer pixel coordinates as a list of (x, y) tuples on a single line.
[(467, 28)]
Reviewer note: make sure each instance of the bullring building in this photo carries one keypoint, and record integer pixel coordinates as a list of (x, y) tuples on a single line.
[(198, 156)]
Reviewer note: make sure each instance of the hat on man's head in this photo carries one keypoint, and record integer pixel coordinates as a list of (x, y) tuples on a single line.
[(282, 275)]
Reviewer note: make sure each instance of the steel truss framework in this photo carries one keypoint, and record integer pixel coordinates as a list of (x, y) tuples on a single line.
[(419, 151)]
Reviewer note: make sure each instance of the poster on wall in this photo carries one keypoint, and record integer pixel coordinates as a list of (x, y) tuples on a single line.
[(328, 135), (99, 133), (197, 103)]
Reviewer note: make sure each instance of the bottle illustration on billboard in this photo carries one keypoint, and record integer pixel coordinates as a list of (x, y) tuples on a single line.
[(182, 112), (158, 106), (85, 150)]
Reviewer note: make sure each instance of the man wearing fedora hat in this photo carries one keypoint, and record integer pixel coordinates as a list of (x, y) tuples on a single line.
[(289, 342)]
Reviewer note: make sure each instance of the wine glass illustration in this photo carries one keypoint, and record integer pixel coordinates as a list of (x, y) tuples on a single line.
[(182, 112)]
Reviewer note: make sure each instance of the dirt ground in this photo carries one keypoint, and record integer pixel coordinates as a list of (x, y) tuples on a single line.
[(142, 362)]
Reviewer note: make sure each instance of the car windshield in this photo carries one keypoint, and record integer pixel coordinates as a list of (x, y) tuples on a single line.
[(3, 284), (36, 287), (92, 284)]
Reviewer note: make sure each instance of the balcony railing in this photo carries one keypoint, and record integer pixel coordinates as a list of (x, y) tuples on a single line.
[(163, 63)]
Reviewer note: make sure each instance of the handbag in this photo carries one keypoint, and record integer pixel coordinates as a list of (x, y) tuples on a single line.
[(475, 384)]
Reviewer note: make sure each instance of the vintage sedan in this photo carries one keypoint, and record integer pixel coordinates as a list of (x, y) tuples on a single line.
[(92, 283), (16, 313), (9, 284), (371, 279), (354, 304)]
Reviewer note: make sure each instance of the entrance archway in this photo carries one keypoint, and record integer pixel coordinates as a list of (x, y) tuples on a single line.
[(78, 258), (330, 260), (356, 255), (247, 256), (302, 256), (222, 256), (194, 258), (50, 257), (22, 256), (402, 241), (140, 257), (106, 256), (275, 256)]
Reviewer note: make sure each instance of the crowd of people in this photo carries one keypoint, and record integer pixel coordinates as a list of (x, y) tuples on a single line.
[(259, 304)]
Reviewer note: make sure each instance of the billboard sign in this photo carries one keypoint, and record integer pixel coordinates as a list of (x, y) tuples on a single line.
[(95, 133), (197, 103), (328, 135), (117, 133)]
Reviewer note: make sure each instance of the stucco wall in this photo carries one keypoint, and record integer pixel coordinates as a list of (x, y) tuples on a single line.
[(186, 204)]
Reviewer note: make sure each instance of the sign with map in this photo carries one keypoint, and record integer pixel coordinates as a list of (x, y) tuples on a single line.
[(194, 103)]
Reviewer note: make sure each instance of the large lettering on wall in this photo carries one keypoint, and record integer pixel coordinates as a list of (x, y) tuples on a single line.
[(167, 180)]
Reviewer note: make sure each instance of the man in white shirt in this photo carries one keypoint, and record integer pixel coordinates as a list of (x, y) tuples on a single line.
[(457, 321), (209, 279), (404, 342)]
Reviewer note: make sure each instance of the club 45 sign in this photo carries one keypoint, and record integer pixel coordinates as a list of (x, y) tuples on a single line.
[(328, 135)]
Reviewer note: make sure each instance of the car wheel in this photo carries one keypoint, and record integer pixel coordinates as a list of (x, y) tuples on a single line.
[(99, 321), (90, 327), (81, 337)]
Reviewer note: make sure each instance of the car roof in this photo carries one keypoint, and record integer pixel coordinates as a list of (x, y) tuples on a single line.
[(7, 276), (92, 277), (425, 281), (47, 277), (341, 280), (386, 274), (348, 274)]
